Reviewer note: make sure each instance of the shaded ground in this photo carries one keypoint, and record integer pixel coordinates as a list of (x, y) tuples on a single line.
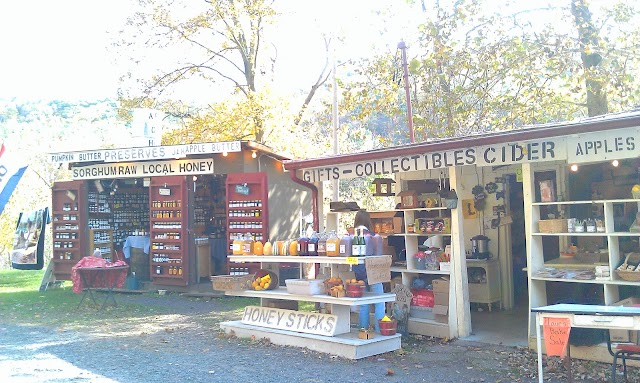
[(184, 344)]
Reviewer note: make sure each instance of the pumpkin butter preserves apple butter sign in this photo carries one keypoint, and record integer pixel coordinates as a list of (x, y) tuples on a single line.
[(143, 169), (299, 321)]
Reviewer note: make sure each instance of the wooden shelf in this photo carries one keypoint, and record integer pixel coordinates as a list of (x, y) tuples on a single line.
[(281, 293), (411, 209), (416, 271), (599, 201), (296, 259), (344, 345)]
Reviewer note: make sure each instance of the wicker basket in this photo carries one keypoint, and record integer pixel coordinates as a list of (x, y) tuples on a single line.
[(232, 282), (632, 276), (628, 275), (552, 226)]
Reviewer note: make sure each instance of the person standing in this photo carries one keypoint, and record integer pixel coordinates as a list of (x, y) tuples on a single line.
[(362, 222)]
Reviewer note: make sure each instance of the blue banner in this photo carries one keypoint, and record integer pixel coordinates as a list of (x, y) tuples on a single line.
[(11, 170)]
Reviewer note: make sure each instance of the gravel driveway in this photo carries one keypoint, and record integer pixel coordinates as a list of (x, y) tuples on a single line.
[(186, 345)]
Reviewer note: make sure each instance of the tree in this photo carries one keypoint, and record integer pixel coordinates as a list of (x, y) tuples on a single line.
[(224, 42), (476, 70)]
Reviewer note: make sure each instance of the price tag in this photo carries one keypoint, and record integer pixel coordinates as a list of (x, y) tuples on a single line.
[(352, 260)]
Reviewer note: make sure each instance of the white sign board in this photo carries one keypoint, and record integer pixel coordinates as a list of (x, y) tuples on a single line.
[(145, 153), (551, 149), (602, 146), (143, 169), (597, 146), (299, 321), (148, 124)]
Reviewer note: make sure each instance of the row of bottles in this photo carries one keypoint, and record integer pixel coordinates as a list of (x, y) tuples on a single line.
[(245, 225), (323, 244), (244, 213), (249, 203), (166, 214), (172, 270), (175, 203)]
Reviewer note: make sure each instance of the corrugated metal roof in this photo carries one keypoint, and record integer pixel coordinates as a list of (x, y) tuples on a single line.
[(530, 132)]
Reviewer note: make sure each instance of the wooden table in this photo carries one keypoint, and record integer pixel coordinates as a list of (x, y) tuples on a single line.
[(101, 278), (586, 316)]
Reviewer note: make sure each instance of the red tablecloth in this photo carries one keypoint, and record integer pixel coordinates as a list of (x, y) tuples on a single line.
[(98, 263)]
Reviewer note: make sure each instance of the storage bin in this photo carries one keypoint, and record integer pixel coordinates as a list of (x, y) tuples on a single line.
[(232, 282), (305, 286), (552, 226)]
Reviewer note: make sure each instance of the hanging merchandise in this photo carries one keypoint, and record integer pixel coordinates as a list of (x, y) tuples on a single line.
[(28, 244), (479, 197)]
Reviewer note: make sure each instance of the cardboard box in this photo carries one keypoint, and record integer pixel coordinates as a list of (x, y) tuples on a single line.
[(625, 335), (421, 312), (366, 334), (386, 223), (440, 286), (441, 299), (441, 313)]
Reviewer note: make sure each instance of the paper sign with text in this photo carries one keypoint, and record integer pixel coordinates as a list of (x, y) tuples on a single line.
[(300, 321), (378, 269), (556, 335)]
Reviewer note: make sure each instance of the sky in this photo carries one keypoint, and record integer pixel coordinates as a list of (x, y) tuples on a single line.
[(59, 49), (56, 49)]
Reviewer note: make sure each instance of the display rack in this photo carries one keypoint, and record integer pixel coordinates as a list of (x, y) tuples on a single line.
[(69, 226), (168, 231), (247, 208), (345, 343), (422, 326), (102, 239), (609, 238), (129, 213)]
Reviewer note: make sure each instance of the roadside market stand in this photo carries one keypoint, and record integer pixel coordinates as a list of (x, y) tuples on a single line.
[(538, 160), (167, 208)]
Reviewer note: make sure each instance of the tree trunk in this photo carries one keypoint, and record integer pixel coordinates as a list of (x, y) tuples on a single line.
[(591, 59)]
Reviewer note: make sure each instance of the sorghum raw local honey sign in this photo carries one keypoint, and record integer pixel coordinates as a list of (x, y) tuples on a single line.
[(143, 169)]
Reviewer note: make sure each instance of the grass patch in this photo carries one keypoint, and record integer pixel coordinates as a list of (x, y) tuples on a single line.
[(21, 302)]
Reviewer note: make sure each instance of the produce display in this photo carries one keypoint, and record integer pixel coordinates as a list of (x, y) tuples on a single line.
[(334, 287), (261, 283), (355, 288)]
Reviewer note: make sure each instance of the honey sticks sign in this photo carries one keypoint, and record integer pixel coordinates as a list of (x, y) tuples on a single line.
[(300, 321), (556, 335)]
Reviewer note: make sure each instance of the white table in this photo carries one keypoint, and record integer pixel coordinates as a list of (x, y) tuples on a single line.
[(586, 316)]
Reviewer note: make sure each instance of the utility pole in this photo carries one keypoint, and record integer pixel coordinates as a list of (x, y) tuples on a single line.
[(405, 67)]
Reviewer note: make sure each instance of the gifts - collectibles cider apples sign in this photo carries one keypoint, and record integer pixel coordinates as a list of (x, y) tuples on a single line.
[(619, 143)]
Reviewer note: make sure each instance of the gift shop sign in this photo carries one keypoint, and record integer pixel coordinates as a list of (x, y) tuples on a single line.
[(146, 153), (491, 155), (143, 169), (299, 321)]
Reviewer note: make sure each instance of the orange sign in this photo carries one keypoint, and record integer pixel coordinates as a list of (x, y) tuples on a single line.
[(556, 335)]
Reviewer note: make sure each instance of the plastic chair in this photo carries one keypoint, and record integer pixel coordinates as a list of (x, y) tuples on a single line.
[(623, 351)]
